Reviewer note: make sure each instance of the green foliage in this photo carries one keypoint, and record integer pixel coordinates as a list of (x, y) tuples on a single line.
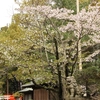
[(31, 2), (71, 4), (17, 94), (89, 75)]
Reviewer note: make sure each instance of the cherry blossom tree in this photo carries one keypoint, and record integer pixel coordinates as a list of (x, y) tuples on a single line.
[(64, 30)]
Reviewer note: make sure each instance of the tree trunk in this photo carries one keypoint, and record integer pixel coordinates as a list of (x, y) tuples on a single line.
[(58, 70)]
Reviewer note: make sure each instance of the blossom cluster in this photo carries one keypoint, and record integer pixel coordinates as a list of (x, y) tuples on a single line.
[(81, 24)]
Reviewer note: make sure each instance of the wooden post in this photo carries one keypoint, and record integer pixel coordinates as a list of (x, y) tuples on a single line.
[(7, 84), (79, 40)]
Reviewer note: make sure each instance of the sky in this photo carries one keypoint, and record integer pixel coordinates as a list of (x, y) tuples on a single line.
[(6, 11)]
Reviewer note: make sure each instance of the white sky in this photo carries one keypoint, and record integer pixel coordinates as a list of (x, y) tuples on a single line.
[(6, 11)]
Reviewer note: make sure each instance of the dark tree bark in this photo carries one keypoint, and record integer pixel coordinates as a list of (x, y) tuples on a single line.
[(58, 69)]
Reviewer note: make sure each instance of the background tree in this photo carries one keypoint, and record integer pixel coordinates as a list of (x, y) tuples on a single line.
[(42, 45), (9, 36)]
